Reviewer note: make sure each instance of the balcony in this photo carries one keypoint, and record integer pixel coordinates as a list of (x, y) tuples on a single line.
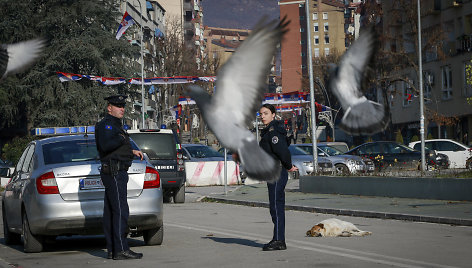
[(464, 43)]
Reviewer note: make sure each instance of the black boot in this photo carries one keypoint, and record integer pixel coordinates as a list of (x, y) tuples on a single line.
[(128, 254), (275, 245)]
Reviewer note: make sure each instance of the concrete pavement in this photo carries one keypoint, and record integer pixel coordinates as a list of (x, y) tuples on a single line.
[(421, 210)]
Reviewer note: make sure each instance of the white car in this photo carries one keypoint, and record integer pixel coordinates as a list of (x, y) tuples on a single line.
[(457, 152)]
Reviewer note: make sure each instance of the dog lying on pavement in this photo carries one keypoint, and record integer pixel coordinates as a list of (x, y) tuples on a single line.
[(335, 227)]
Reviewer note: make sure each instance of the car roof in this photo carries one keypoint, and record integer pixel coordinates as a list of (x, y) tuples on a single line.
[(65, 138), (157, 131)]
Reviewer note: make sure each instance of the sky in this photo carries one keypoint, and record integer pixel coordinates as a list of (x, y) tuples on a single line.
[(238, 14)]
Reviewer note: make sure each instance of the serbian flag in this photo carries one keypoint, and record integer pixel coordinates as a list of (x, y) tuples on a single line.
[(124, 25), (65, 77)]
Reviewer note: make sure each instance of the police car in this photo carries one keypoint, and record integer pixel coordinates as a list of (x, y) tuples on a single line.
[(164, 152), (56, 190)]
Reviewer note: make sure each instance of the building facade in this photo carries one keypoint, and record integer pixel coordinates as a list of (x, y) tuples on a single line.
[(150, 22), (447, 95), (327, 19)]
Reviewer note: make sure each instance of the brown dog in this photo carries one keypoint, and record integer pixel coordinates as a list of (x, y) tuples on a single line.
[(335, 227)]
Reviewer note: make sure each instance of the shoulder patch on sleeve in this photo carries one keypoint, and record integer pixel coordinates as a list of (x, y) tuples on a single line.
[(275, 140), (108, 127)]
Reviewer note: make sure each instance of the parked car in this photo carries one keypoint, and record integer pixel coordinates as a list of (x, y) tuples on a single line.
[(56, 190), (388, 155), (5, 174), (344, 164), (201, 152), (304, 162), (163, 149), (457, 152), (339, 145)]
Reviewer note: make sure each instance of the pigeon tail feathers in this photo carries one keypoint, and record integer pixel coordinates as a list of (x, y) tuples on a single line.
[(365, 118), (258, 164)]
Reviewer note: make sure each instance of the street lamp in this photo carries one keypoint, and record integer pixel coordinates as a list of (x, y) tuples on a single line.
[(420, 64), (312, 91)]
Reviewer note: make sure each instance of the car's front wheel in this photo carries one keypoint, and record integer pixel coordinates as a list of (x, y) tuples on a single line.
[(154, 236), (31, 243), (341, 170), (179, 195), (10, 237)]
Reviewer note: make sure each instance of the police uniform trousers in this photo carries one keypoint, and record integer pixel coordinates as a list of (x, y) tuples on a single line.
[(116, 211), (277, 204)]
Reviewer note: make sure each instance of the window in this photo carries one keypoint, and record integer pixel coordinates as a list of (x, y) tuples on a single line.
[(326, 39), (467, 74), (315, 27), (428, 82), (28, 160), (326, 27), (326, 51), (325, 15), (317, 52), (407, 94), (446, 88), (302, 30), (317, 40), (315, 16)]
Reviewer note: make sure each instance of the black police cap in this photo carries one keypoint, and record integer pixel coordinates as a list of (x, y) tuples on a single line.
[(117, 99)]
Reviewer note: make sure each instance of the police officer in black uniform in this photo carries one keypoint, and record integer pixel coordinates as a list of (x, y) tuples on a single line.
[(116, 156), (275, 142)]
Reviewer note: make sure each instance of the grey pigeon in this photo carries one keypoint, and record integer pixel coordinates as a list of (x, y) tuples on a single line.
[(361, 116), (16, 57), (238, 94)]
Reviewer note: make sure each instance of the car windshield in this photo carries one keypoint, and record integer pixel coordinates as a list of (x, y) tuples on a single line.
[(158, 146), (331, 151), (72, 151), (295, 150), (202, 152), (69, 151), (395, 148)]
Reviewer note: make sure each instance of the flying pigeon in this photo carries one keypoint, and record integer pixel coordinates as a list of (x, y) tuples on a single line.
[(361, 116), (16, 57), (238, 95)]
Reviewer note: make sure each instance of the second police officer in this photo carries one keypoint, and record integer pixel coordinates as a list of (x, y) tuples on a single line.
[(274, 141), (116, 156)]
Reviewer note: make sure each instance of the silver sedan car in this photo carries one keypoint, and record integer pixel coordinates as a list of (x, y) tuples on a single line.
[(344, 164), (304, 162), (56, 190)]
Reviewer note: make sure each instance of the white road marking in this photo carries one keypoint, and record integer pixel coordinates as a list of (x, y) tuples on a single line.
[(344, 252)]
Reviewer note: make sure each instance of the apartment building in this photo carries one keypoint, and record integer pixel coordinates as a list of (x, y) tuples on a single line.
[(222, 42), (190, 15), (327, 19), (448, 105), (150, 23)]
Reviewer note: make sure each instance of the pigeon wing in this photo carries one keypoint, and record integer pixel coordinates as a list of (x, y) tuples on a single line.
[(242, 79), (361, 116), (21, 55)]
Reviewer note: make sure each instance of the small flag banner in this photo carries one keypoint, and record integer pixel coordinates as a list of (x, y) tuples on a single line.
[(67, 77)]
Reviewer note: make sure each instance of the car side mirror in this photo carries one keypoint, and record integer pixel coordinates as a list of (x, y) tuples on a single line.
[(321, 154), (185, 157)]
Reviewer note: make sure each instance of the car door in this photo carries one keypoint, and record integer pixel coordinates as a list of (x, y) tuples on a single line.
[(15, 189), (456, 153)]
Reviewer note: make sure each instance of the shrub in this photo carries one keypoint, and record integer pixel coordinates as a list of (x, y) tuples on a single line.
[(12, 150), (414, 138)]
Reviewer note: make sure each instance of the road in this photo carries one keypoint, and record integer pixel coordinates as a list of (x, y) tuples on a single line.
[(224, 235)]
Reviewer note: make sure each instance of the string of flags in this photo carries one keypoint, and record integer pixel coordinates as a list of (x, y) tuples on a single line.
[(66, 77)]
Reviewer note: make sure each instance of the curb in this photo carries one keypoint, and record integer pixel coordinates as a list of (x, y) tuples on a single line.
[(347, 212)]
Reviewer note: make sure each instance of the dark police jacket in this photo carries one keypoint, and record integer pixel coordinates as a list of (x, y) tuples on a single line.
[(113, 141), (275, 142)]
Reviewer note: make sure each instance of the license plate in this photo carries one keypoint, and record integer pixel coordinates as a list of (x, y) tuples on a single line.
[(90, 183)]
